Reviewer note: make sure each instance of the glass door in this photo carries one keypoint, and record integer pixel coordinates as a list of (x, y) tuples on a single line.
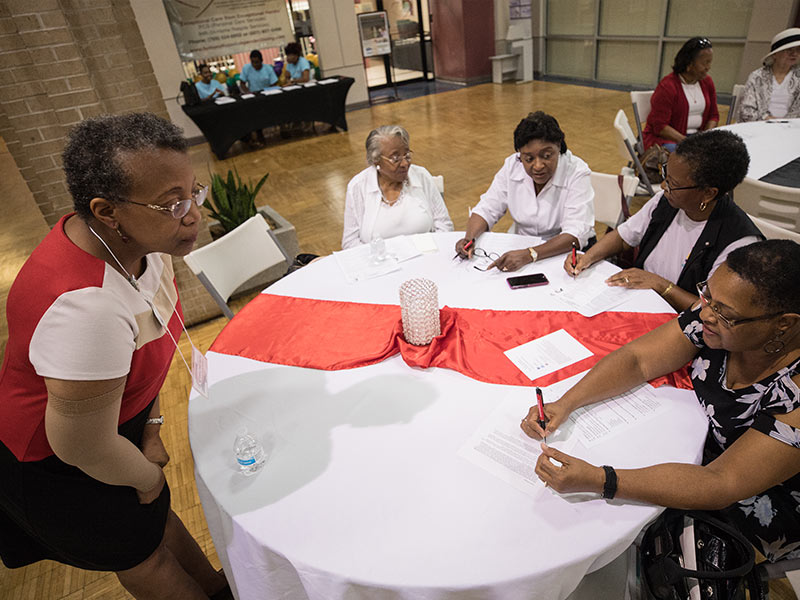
[(410, 34)]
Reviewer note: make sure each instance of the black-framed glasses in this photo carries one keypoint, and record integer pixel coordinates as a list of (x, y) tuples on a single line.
[(396, 159), (662, 168), (481, 253), (706, 300), (179, 209)]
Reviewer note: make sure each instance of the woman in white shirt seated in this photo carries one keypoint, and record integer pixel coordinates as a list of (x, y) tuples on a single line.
[(687, 229), (391, 196), (773, 91), (546, 190)]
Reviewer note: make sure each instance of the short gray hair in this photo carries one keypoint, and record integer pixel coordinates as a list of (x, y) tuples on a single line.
[(376, 136)]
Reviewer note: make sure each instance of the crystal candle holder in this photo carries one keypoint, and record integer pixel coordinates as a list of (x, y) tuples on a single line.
[(419, 308)]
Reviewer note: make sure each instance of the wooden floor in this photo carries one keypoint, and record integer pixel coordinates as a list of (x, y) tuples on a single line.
[(463, 135)]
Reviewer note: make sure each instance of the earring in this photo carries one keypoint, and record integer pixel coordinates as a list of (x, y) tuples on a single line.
[(703, 206), (775, 345), (125, 238)]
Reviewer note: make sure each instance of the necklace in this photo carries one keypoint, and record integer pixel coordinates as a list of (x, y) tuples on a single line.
[(131, 278), (693, 92), (400, 195)]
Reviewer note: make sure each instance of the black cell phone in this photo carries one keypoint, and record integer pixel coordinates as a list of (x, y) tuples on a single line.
[(523, 281)]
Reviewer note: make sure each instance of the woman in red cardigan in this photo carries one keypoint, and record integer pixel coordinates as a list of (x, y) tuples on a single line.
[(685, 101)]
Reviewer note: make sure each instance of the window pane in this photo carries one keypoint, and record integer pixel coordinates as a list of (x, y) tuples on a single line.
[(572, 58), (630, 17), (570, 17), (614, 62), (724, 69), (709, 18)]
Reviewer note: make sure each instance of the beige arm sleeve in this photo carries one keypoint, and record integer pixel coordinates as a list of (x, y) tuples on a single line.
[(81, 422)]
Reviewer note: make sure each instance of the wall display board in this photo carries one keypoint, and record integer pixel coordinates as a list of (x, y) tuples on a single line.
[(215, 27), (373, 28)]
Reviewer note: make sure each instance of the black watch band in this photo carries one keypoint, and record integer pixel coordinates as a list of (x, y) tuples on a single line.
[(610, 486)]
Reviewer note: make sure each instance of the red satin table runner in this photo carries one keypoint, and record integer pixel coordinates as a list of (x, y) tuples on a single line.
[(332, 335)]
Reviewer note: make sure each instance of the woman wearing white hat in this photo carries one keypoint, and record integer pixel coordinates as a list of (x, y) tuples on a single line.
[(773, 91)]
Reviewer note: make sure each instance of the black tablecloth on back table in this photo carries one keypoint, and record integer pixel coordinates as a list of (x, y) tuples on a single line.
[(224, 124)]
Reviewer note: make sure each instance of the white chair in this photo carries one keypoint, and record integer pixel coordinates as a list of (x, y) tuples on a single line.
[(773, 232), (777, 204), (736, 95), (438, 180), (225, 264), (608, 197), (641, 110), (626, 144)]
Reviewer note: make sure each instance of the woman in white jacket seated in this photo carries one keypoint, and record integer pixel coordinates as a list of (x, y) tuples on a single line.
[(391, 196)]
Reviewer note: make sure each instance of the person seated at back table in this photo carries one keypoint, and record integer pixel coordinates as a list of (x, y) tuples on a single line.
[(297, 68), (687, 229), (208, 88), (256, 76), (546, 189), (773, 91), (685, 101), (743, 340), (391, 196)]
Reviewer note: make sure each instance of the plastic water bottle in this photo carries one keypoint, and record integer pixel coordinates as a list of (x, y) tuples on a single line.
[(377, 250), (249, 453)]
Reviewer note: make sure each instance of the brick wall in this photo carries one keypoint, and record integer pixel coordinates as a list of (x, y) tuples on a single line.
[(62, 61)]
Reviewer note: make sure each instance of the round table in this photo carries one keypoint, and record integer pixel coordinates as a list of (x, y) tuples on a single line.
[(771, 145), (364, 494)]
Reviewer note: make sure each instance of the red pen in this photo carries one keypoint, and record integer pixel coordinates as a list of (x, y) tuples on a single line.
[(574, 255), (466, 247), (540, 401)]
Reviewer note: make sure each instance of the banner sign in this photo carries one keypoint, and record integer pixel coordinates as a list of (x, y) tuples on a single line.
[(206, 28), (373, 29)]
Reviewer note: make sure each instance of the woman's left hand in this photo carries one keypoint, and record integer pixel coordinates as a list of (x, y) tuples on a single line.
[(574, 474), (638, 279), (152, 446), (512, 260)]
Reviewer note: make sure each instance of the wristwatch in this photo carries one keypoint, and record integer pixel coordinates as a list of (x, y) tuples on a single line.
[(610, 485), (534, 254), (155, 421)]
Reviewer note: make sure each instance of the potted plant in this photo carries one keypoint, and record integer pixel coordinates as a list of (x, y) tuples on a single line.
[(233, 201)]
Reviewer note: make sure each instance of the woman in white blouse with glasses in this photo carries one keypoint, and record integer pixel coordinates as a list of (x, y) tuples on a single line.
[(546, 189), (391, 196)]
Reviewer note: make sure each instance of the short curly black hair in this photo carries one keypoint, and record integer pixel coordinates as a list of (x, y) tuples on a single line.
[(688, 52), (717, 159), (92, 157), (773, 267), (539, 126), (256, 54), (293, 48)]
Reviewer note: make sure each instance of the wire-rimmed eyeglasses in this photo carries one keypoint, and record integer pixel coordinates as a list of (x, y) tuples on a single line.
[(481, 253), (396, 159), (179, 209), (706, 300)]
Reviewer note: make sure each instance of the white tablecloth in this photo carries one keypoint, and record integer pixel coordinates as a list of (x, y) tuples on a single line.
[(771, 144), (364, 495)]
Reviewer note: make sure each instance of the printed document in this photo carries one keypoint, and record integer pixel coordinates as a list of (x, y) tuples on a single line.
[(589, 294), (500, 447), (357, 263), (547, 354)]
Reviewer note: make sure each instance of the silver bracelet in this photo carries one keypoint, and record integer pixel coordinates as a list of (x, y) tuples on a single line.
[(155, 421)]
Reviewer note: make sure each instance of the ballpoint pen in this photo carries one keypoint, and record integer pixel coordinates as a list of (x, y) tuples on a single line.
[(466, 247), (574, 255), (540, 402)]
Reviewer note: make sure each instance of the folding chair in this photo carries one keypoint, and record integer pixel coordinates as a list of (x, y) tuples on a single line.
[(612, 197), (778, 204), (641, 110), (736, 95), (626, 143), (773, 232), (225, 264)]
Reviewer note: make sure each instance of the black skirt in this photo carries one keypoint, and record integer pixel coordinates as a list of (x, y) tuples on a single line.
[(51, 510)]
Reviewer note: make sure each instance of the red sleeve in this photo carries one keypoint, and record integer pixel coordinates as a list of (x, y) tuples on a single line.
[(712, 111), (662, 103)]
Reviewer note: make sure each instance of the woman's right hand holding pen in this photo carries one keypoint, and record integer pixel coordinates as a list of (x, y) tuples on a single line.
[(555, 414), (465, 247), (582, 262)]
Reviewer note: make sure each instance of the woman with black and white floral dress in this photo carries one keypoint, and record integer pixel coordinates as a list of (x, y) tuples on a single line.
[(743, 342), (773, 91)]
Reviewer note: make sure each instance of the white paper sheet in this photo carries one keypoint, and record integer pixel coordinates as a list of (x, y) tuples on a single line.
[(501, 448), (310, 84), (248, 95), (272, 91), (547, 354), (424, 242), (327, 81), (610, 418), (224, 100), (355, 264), (292, 87), (402, 248), (589, 294)]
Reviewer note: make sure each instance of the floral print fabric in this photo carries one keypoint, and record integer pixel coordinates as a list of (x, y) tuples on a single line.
[(754, 103), (770, 520)]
